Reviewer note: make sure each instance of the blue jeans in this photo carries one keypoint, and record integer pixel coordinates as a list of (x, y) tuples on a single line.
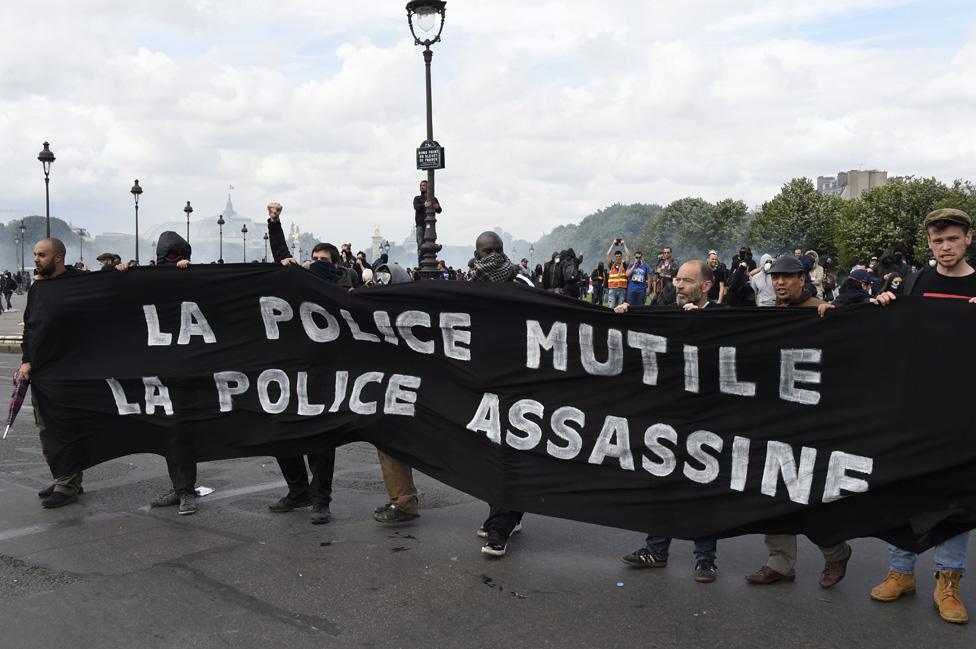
[(615, 297), (636, 296), (949, 555), (704, 548)]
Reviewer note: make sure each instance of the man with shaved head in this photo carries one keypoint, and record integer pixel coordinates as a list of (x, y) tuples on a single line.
[(48, 264), (491, 265), (490, 262), (692, 282)]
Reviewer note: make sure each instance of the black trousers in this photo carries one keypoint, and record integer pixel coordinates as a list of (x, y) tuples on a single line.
[(502, 520), (183, 473), (321, 465), (598, 295)]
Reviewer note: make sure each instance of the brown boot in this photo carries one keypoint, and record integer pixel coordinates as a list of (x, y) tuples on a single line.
[(834, 571), (895, 585), (951, 608)]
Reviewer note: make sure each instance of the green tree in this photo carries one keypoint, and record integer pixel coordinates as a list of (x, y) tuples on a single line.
[(799, 216), (592, 236), (693, 226), (891, 216)]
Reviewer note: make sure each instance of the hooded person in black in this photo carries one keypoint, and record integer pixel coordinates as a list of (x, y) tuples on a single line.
[(552, 279), (174, 250)]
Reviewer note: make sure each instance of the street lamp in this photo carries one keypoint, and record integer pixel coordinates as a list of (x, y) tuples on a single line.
[(265, 237), (220, 235), (82, 233), (428, 16), (244, 234), (531, 252), (47, 157), (188, 210), (136, 193), (386, 249), (23, 247)]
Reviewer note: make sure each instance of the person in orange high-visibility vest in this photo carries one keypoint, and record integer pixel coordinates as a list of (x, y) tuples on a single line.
[(617, 273)]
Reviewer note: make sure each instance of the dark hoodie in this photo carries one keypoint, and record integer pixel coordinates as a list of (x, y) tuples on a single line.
[(170, 242)]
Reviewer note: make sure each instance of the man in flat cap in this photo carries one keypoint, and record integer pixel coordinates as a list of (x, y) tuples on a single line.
[(950, 233), (789, 284)]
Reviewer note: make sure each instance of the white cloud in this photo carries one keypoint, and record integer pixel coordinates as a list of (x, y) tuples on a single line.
[(548, 110)]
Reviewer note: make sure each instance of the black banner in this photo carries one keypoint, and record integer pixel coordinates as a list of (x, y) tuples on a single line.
[(692, 425)]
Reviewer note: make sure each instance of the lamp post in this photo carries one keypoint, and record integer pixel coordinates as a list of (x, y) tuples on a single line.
[(136, 193), (428, 16), (386, 249), (47, 158), (531, 252), (244, 235), (265, 237), (82, 233), (23, 247), (189, 211), (220, 237)]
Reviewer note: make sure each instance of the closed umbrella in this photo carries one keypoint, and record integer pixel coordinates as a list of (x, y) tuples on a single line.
[(16, 401)]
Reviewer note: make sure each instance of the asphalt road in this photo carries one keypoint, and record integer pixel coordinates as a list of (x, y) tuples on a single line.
[(109, 572)]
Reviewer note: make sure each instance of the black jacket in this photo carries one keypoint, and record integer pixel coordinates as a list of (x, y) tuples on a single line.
[(344, 277), (420, 212), (276, 238), (25, 341)]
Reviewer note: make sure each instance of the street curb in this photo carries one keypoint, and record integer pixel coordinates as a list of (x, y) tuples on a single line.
[(11, 343)]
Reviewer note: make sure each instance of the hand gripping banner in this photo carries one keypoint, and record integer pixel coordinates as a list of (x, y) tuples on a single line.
[(691, 425)]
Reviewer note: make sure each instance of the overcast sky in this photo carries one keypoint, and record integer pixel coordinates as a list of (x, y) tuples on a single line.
[(548, 110)]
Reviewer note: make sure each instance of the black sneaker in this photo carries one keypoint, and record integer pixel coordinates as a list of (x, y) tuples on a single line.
[(496, 545), (287, 504), (47, 491), (58, 499), (391, 514), (188, 504), (169, 499), (320, 515), (644, 558), (705, 571)]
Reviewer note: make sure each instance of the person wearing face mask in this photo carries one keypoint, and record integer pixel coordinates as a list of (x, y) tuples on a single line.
[(856, 289), (302, 493), (893, 284), (491, 265), (762, 282)]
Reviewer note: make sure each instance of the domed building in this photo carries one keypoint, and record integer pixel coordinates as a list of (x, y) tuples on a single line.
[(206, 241)]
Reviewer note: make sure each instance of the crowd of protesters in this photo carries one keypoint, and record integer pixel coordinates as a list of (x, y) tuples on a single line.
[(622, 282)]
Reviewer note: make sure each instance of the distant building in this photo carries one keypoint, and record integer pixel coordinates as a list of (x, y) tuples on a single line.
[(851, 184), (206, 240)]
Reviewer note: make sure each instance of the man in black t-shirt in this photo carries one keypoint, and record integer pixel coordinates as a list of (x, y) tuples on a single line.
[(420, 205), (950, 232), (721, 278)]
